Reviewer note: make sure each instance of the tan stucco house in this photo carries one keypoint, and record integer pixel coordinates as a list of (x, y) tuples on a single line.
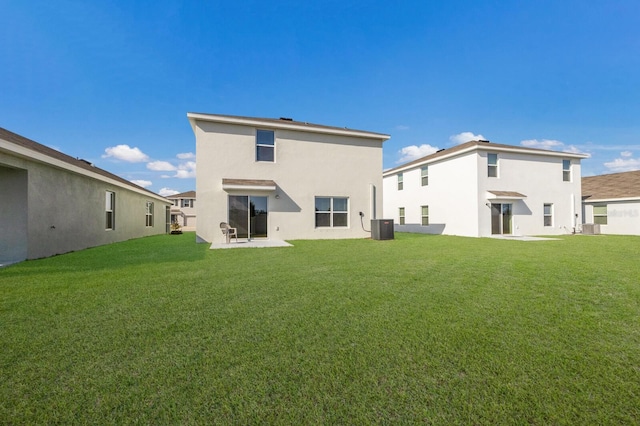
[(283, 179), (183, 210), (612, 203), (53, 203)]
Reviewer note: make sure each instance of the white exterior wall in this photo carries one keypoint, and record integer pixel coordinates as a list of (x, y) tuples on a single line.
[(306, 165), (623, 216), (459, 201), (540, 179), (451, 196)]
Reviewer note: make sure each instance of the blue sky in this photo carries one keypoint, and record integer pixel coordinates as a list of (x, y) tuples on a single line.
[(112, 81)]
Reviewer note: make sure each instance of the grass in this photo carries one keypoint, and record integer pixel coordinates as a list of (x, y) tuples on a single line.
[(421, 329)]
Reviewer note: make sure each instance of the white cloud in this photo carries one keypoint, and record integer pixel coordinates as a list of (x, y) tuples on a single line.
[(413, 152), (186, 170), (465, 137), (126, 153), (575, 150), (626, 164), (186, 156), (542, 143), (166, 192), (402, 127), (142, 183), (161, 166)]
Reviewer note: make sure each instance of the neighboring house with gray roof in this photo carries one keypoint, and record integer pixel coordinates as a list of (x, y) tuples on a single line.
[(183, 210), (53, 203), (282, 179), (612, 202), (480, 189)]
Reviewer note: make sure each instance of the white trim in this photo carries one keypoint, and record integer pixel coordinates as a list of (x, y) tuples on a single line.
[(38, 157), (610, 200)]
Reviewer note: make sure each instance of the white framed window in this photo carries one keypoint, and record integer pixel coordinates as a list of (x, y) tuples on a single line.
[(566, 170), (492, 165), (110, 210), (401, 215), (149, 214), (548, 214), (424, 214), (332, 212), (186, 202), (600, 214), (400, 181), (265, 145), (424, 175)]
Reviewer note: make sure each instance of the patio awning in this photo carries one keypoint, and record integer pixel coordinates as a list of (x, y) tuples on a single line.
[(248, 185), (505, 195)]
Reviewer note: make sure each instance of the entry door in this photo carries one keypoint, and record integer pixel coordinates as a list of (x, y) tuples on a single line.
[(501, 218), (248, 214)]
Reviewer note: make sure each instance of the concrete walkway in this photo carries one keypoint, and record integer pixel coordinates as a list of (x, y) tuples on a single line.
[(250, 244)]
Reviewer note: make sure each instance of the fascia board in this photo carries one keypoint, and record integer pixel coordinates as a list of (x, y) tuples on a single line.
[(30, 155)]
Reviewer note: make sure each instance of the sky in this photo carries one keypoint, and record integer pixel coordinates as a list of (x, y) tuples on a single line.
[(111, 82)]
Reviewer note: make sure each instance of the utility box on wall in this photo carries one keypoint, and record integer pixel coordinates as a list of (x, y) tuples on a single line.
[(382, 229)]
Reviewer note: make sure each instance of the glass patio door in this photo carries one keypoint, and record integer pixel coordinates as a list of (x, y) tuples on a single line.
[(501, 218), (248, 214)]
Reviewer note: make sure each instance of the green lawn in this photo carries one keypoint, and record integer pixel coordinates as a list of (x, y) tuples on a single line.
[(421, 329)]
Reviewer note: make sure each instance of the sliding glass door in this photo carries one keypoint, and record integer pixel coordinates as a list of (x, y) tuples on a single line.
[(501, 215), (248, 214)]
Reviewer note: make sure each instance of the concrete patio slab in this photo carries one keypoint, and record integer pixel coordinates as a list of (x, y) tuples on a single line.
[(523, 238)]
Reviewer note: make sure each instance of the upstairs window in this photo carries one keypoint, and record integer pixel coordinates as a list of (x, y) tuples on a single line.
[(600, 214), (187, 202), (265, 145), (110, 209), (400, 182), (149, 214), (566, 170), (492, 162), (332, 212), (548, 214), (424, 175)]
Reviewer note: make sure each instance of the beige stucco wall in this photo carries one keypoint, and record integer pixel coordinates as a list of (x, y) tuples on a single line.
[(306, 165), (66, 210), (623, 216)]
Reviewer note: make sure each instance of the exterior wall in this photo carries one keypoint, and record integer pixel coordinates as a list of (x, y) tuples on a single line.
[(13, 220), (540, 179), (306, 165), (460, 204), (66, 210), (623, 217), (451, 196)]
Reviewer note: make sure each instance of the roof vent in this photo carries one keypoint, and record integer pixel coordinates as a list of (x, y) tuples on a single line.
[(440, 150), (86, 161), (485, 141), (286, 119)]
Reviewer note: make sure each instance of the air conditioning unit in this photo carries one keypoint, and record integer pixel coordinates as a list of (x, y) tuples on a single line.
[(591, 229), (382, 229)]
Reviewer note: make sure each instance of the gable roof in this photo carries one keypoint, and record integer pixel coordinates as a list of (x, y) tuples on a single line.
[(188, 194), (611, 186), (283, 123), (477, 145), (35, 151)]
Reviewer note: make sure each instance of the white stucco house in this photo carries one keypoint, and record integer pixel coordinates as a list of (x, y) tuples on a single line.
[(480, 189), (53, 203), (282, 179), (612, 202), (183, 210)]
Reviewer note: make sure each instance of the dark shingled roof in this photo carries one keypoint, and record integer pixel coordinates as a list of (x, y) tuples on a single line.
[(616, 185), (50, 152), (188, 194)]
